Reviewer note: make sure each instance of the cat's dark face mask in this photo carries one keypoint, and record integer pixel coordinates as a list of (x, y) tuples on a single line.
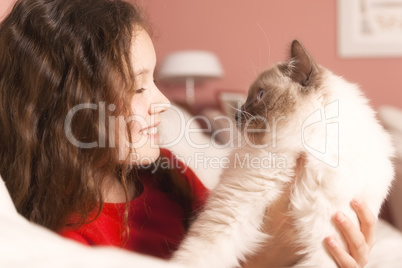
[(275, 94)]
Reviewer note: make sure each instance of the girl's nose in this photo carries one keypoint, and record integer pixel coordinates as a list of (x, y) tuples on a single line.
[(160, 104)]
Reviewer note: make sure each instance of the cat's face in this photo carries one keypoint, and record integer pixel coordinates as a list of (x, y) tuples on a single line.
[(282, 97)]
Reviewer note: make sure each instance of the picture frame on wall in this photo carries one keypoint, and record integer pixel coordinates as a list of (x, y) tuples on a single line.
[(369, 28)]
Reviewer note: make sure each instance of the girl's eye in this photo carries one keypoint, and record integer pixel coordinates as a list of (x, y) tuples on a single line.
[(138, 91), (260, 94)]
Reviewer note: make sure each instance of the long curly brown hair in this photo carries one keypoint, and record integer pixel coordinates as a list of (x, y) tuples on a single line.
[(55, 55)]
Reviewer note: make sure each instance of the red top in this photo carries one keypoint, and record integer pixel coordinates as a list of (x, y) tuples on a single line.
[(155, 219)]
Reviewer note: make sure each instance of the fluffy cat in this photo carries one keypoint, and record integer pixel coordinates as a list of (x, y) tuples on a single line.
[(295, 109)]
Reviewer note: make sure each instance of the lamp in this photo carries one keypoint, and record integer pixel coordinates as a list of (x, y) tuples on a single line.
[(190, 66)]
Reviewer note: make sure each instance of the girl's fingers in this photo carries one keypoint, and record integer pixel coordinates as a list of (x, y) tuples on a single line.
[(355, 239), (359, 242), (342, 258), (367, 220)]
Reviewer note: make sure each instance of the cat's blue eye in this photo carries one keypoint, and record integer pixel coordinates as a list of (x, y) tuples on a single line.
[(260, 94)]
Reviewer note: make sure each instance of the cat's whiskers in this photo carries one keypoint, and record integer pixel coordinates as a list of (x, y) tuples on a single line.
[(268, 43), (236, 109), (240, 133), (254, 68), (247, 116)]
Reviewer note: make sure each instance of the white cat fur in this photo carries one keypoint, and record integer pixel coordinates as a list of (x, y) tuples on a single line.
[(228, 229)]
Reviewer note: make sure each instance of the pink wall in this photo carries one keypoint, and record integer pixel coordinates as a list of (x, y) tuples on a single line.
[(5, 6), (250, 37)]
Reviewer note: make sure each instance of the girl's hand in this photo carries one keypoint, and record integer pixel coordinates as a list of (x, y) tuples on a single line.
[(360, 242), (281, 252)]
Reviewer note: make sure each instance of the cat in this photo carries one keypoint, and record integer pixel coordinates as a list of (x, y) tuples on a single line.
[(299, 109)]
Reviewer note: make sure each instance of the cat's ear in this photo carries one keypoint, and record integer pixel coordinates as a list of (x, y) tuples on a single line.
[(304, 67)]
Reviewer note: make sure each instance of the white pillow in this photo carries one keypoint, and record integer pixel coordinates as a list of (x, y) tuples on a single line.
[(182, 134), (391, 118), (24, 244)]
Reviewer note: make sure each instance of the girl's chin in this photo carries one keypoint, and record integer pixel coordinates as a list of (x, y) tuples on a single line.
[(144, 157)]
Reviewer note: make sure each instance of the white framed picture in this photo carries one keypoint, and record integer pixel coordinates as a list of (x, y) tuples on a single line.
[(370, 28)]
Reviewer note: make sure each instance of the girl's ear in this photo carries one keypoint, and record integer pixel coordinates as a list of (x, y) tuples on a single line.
[(304, 66)]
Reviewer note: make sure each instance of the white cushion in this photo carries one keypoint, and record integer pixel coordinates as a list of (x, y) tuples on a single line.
[(391, 118), (24, 244), (182, 134)]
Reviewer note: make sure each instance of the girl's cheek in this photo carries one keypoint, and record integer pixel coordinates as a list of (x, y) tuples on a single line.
[(139, 118), (138, 105)]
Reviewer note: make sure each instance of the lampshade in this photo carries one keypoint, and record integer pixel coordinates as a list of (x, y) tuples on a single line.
[(195, 64)]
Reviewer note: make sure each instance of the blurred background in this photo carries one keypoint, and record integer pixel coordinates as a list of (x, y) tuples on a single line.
[(249, 36)]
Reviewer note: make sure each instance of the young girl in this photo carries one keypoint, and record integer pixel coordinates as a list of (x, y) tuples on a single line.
[(78, 115)]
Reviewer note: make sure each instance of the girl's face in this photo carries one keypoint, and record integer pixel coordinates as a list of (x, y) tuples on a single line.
[(147, 104)]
